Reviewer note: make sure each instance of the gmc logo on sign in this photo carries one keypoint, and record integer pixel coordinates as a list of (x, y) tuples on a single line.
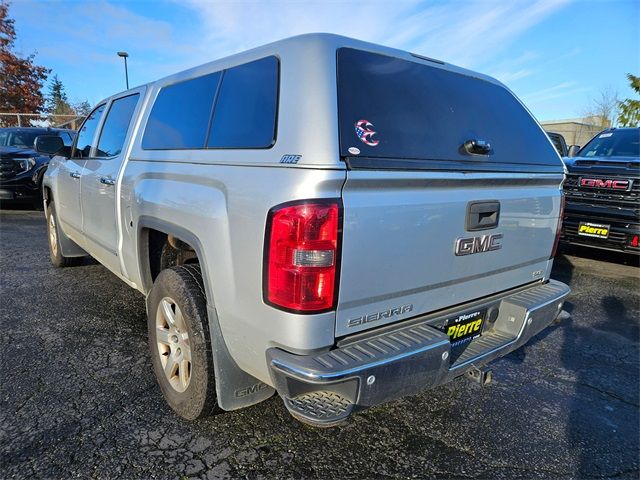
[(605, 183)]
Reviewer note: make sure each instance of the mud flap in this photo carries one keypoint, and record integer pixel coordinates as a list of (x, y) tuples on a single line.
[(68, 247), (234, 387)]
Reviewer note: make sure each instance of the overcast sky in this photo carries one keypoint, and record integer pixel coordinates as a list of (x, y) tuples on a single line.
[(555, 54)]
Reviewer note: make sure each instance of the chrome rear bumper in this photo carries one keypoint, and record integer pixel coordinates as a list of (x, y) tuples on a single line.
[(406, 358)]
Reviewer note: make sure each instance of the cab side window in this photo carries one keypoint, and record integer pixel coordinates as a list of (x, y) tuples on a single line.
[(87, 133), (116, 126)]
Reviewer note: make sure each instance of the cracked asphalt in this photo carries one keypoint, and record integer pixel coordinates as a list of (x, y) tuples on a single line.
[(78, 397)]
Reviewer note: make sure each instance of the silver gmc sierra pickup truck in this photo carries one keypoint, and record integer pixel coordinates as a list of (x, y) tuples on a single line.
[(332, 220)]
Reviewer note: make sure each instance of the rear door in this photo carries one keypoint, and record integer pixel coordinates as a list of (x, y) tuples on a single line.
[(69, 208), (453, 191), (99, 180)]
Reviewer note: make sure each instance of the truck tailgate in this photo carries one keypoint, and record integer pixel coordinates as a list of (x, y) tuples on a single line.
[(399, 235)]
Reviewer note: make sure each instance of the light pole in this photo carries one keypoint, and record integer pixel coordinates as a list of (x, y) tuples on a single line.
[(126, 72)]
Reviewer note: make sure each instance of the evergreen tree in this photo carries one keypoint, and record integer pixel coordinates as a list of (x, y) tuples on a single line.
[(57, 101), (82, 108)]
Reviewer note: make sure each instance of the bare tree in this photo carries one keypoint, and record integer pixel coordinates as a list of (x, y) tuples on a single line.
[(602, 110)]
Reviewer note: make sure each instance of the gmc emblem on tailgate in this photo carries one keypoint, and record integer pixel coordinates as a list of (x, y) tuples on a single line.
[(481, 243), (605, 183)]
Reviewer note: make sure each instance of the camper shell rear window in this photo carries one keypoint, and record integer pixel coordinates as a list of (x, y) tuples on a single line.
[(396, 113)]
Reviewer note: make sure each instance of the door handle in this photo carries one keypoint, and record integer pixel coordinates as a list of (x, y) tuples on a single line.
[(482, 215), (477, 147), (74, 174), (107, 181)]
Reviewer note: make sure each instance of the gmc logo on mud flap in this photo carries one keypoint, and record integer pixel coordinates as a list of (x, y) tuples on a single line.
[(605, 183), (481, 243), (243, 392)]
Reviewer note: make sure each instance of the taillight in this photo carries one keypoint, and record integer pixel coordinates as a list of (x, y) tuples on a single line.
[(559, 228), (301, 248)]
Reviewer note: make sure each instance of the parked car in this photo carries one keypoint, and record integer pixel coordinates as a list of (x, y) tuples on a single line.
[(21, 167), (559, 142), (337, 221), (603, 192)]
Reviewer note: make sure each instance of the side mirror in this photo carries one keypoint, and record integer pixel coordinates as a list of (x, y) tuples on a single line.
[(48, 144), (573, 150)]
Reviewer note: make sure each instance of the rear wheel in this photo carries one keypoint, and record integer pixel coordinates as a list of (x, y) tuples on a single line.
[(179, 341), (55, 252)]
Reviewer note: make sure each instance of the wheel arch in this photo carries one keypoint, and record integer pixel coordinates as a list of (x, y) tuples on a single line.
[(46, 194), (234, 387), (146, 226)]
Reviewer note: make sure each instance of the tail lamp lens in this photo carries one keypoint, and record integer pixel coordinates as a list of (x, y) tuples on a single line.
[(559, 228), (302, 250)]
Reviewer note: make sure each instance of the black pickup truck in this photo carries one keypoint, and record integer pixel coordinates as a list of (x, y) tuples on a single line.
[(602, 192)]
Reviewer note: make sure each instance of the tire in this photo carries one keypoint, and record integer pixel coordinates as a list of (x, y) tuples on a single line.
[(179, 341), (38, 201), (55, 252)]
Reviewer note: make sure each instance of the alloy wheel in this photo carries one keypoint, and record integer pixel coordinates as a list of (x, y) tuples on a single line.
[(172, 340)]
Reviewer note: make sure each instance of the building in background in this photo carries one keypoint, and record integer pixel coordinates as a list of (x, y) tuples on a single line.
[(576, 131)]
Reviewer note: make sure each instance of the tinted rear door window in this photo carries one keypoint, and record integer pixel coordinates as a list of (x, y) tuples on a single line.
[(245, 111), (116, 126), (426, 113), (180, 115)]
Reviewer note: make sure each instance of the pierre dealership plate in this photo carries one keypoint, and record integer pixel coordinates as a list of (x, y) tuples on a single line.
[(595, 230), (465, 327)]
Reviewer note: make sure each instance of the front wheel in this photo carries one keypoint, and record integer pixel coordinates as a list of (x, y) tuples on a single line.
[(179, 341), (55, 252)]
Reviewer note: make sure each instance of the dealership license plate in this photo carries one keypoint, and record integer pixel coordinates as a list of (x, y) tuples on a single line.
[(465, 327), (596, 230)]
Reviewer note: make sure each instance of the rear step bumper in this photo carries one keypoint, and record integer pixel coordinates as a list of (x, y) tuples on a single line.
[(323, 389)]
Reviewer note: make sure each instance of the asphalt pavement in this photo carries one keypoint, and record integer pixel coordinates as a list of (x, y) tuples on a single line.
[(78, 397)]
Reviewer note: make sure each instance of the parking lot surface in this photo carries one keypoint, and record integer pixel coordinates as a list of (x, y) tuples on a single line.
[(78, 397)]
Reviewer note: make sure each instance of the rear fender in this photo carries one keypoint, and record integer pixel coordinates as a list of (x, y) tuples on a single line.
[(234, 387)]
